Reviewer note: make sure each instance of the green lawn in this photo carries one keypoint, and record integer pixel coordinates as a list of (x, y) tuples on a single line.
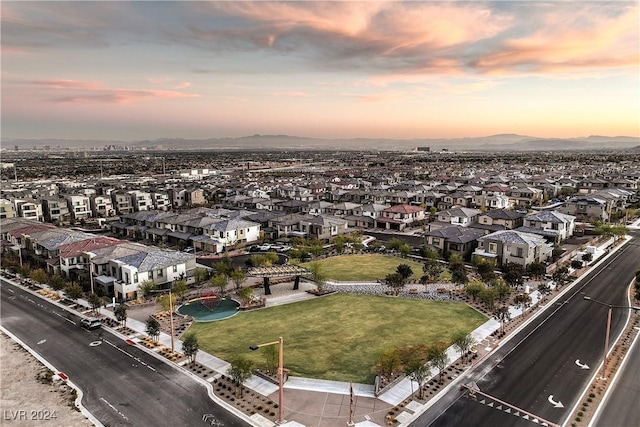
[(362, 268), (338, 337)]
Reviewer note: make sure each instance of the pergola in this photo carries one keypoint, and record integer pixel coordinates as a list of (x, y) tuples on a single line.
[(279, 271)]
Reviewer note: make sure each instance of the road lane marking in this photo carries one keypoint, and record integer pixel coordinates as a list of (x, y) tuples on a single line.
[(137, 359), (42, 342), (114, 408), (581, 365), (557, 404)]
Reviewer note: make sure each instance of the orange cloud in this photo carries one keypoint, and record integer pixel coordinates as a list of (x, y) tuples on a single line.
[(574, 42), (76, 91)]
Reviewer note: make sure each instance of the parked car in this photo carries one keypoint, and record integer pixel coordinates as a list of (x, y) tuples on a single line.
[(91, 323)]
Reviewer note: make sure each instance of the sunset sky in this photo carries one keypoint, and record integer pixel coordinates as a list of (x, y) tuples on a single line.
[(439, 69)]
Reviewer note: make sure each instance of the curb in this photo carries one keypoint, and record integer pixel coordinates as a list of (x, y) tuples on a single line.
[(78, 401)]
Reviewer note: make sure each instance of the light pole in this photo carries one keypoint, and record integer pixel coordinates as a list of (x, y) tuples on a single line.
[(280, 343), (170, 314), (606, 338)]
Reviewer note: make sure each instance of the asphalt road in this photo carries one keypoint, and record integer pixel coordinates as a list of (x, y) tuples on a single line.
[(621, 409), (538, 369), (122, 384)]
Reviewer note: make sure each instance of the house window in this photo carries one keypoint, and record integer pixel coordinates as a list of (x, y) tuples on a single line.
[(435, 240), (159, 272), (150, 274), (175, 268), (135, 277), (493, 248), (520, 253)]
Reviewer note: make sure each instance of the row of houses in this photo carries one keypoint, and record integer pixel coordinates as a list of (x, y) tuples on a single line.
[(117, 266), (64, 207)]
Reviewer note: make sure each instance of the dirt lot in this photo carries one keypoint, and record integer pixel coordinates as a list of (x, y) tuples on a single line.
[(28, 395)]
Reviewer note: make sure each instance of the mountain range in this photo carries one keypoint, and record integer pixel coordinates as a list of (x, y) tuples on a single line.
[(502, 142)]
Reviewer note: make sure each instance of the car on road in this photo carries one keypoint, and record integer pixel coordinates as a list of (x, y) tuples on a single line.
[(91, 323)]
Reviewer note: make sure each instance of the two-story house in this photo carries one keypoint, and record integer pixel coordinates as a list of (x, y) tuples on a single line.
[(508, 246)]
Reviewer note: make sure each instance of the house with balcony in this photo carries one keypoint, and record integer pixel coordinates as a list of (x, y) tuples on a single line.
[(454, 239), (500, 219), (101, 206), (398, 217), (28, 208), (552, 225), (141, 200), (7, 209), (458, 216), (507, 246), (79, 206), (121, 202), (55, 209), (160, 200)]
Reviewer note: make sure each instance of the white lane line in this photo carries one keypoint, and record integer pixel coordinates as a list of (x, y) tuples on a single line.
[(137, 359), (63, 317), (114, 408)]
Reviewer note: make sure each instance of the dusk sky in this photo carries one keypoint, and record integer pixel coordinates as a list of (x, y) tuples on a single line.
[(439, 69)]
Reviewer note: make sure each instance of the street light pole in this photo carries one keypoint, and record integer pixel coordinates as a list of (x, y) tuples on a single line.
[(280, 344), (606, 338)]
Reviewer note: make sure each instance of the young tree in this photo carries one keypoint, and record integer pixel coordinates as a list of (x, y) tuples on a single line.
[(95, 301), (245, 294), (522, 301), (502, 315), (121, 314), (536, 269), (488, 296), (587, 257), (429, 253), (146, 288), (395, 282), (474, 289), (190, 346), (432, 269), (463, 341), (317, 275), (417, 370), (560, 276), (405, 271), (200, 274), (153, 328), (389, 361), (57, 282), (502, 289), (39, 275), (459, 276), (513, 274), (486, 269), (238, 276), (271, 358), (240, 371), (73, 291), (180, 289), (576, 264), (220, 281), (167, 302), (438, 359)]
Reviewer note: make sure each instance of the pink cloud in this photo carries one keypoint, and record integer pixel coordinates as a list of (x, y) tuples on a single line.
[(75, 91), (580, 41), (293, 94)]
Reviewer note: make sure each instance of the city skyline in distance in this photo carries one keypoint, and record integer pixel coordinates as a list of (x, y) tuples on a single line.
[(340, 70)]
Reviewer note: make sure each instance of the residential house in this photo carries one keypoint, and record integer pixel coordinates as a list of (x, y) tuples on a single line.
[(101, 206), (454, 239), (506, 219), (28, 208), (121, 202), (508, 246), (458, 216), (7, 209), (79, 206), (554, 226), (141, 200), (398, 217)]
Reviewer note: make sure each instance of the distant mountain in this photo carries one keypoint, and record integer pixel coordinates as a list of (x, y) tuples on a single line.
[(502, 142)]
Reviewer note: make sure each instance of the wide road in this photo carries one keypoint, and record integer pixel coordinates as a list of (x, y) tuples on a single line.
[(539, 370), (122, 384), (621, 409)]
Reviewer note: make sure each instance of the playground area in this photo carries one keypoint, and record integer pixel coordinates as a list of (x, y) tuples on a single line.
[(209, 307)]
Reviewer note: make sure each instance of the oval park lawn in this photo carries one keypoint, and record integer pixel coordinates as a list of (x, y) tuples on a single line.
[(337, 337)]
